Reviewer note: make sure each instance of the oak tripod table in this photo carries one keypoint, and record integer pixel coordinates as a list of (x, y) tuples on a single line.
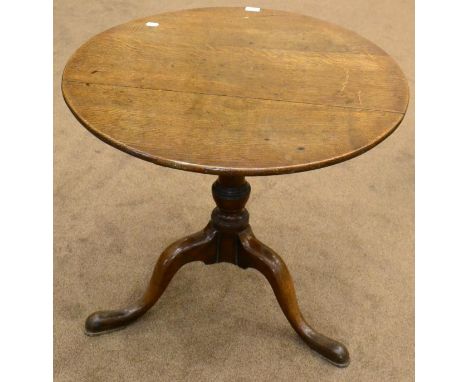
[(234, 92)]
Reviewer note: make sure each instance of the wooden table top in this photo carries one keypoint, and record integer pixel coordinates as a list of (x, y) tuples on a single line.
[(235, 91)]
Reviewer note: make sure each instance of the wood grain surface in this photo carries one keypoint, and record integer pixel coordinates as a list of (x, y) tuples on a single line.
[(227, 91)]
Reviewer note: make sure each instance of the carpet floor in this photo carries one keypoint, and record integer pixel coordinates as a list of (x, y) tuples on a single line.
[(346, 233)]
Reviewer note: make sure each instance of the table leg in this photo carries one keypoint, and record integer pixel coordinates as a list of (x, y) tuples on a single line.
[(196, 247), (257, 255), (227, 238)]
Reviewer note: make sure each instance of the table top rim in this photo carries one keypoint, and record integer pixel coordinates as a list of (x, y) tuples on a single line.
[(220, 170)]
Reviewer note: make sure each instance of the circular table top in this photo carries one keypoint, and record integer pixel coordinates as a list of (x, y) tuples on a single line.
[(238, 91)]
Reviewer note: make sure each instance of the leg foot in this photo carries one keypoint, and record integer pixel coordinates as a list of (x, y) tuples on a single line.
[(258, 256), (197, 247)]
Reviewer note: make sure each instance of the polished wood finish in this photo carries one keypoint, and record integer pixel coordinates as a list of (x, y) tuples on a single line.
[(230, 92), (228, 237), (233, 93)]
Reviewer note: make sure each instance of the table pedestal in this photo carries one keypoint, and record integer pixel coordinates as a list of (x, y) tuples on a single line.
[(227, 238)]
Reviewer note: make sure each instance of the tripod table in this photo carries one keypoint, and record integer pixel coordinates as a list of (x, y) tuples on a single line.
[(234, 92)]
